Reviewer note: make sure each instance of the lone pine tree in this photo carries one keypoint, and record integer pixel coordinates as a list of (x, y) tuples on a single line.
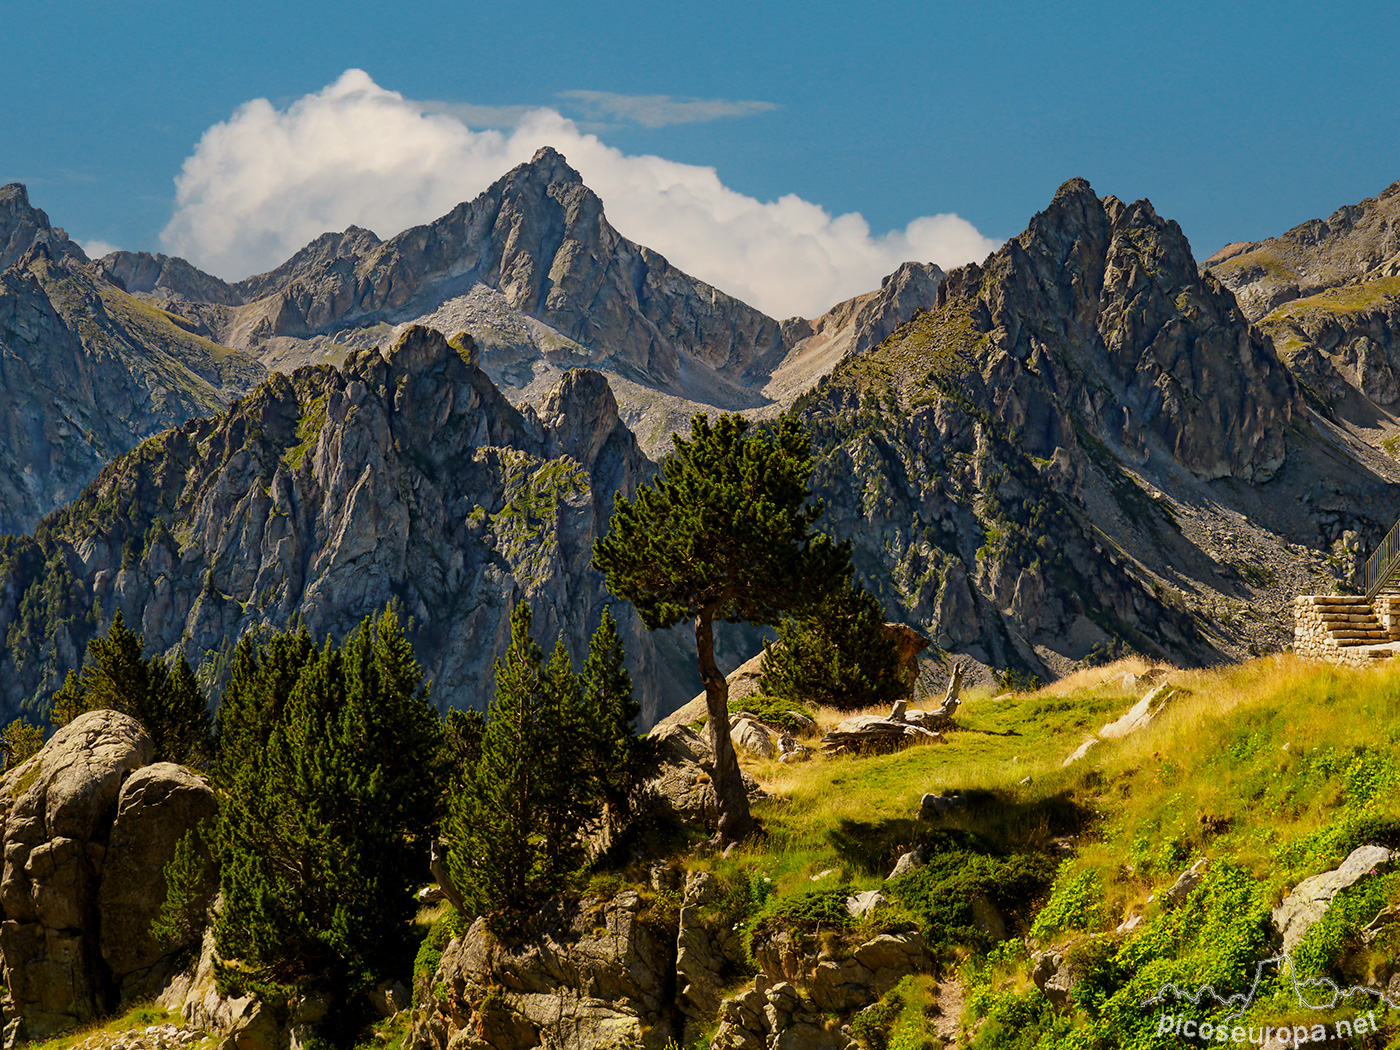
[(724, 532)]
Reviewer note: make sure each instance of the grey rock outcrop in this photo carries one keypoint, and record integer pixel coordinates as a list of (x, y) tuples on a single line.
[(800, 987), (157, 806), (23, 226), (86, 373), (1054, 973), (57, 818), (677, 782), (590, 976), (1034, 455), (326, 494), (1357, 242), (1308, 903)]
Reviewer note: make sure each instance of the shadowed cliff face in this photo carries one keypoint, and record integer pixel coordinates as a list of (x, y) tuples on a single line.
[(1073, 452), (86, 372), (325, 494), (1328, 293)]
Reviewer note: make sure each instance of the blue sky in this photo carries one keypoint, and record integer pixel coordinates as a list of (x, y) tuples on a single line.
[(1238, 119)]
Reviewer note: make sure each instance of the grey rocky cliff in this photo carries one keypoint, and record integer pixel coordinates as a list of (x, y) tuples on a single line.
[(87, 372), (539, 236), (1356, 243), (1078, 450), (323, 495), (1327, 293), (22, 226), (86, 832)]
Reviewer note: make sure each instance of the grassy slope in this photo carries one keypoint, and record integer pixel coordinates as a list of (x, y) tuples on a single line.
[(1274, 770)]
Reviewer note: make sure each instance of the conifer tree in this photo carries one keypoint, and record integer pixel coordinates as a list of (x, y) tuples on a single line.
[(323, 823), (838, 656), (494, 857), (517, 819), (724, 532), (164, 698), (69, 702), (610, 714)]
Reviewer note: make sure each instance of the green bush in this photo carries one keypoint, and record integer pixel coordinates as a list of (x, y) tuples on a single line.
[(772, 710), (839, 656), (949, 895), (1076, 903)]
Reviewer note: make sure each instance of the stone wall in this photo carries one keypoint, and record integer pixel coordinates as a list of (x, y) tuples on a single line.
[(1344, 629)]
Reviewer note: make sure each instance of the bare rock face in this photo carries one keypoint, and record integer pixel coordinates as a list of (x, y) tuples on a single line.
[(677, 784), (1308, 903), (405, 477), (799, 990), (87, 372), (22, 226), (1076, 419), (58, 815), (1357, 242), (158, 804), (589, 977)]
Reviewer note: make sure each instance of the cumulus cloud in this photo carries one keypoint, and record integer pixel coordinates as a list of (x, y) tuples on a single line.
[(96, 249), (659, 111), (262, 184)]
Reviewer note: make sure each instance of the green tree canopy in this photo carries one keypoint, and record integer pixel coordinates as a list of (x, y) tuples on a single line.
[(838, 655), (557, 746), (725, 532), (163, 696), (331, 790)]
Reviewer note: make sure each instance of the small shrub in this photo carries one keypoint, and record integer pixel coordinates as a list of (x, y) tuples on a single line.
[(1076, 903), (772, 710)]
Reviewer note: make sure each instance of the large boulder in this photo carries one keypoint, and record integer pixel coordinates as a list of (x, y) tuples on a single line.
[(157, 806), (677, 783), (56, 812), (592, 975), (1308, 903)]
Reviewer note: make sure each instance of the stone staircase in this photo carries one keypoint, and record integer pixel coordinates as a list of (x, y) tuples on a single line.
[(1344, 628), (1350, 620)]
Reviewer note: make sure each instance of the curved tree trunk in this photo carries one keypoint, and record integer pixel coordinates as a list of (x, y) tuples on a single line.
[(735, 821)]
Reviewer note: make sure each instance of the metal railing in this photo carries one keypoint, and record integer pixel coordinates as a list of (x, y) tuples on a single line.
[(1382, 562)]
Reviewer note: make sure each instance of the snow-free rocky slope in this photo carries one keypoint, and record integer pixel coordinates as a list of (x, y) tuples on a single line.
[(86, 370), (536, 274), (1328, 293), (321, 496), (1086, 446)]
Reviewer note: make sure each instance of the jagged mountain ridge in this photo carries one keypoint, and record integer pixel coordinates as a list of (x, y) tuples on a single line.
[(86, 370), (1086, 445), (1328, 293), (535, 272), (325, 494)]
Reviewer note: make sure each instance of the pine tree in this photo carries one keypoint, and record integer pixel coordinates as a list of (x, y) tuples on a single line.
[(495, 859), (69, 702), (164, 698), (330, 794), (610, 712), (516, 820), (723, 533), (839, 656), (20, 741)]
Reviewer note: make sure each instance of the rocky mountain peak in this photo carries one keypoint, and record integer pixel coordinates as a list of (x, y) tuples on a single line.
[(1111, 291), (1357, 242), (22, 226)]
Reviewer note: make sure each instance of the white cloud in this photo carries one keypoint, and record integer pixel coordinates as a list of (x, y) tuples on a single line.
[(262, 184), (660, 111), (96, 249)]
